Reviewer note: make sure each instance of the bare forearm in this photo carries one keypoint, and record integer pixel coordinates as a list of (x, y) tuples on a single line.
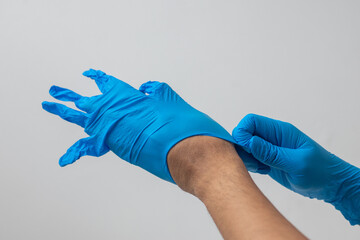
[(240, 210), (214, 173)]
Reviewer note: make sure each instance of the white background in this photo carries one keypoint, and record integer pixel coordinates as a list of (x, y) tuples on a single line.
[(297, 61)]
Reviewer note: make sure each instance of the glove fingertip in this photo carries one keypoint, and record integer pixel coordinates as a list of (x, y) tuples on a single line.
[(239, 132), (61, 163), (53, 89), (235, 132), (64, 160), (68, 158), (43, 104), (47, 106), (93, 74), (143, 87), (242, 138), (147, 86), (89, 73)]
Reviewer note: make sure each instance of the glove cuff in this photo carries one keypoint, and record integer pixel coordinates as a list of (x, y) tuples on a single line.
[(168, 135), (347, 199)]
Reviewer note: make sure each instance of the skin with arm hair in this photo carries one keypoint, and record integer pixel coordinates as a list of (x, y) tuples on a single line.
[(211, 169)]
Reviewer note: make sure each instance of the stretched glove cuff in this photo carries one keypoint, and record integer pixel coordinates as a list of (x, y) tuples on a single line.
[(180, 130)]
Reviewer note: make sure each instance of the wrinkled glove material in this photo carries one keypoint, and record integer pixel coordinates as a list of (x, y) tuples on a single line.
[(139, 126)]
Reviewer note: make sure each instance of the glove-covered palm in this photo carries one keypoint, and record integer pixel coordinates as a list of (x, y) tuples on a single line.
[(140, 126)]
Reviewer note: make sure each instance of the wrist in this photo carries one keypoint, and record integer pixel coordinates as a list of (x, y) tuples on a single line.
[(200, 164)]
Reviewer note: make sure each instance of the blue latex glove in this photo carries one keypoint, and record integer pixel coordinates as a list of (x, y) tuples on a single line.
[(300, 164), (139, 126)]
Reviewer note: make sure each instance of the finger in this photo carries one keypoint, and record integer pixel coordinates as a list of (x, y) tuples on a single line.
[(65, 113), (159, 90), (107, 83), (83, 103), (251, 164), (64, 94), (103, 81), (86, 146), (269, 154), (269, 129)]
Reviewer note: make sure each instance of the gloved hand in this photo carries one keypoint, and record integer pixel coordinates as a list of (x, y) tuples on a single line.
[(300, 164), (138, 126)]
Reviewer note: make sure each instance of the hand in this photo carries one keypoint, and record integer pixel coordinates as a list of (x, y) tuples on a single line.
[(140, 126), (300, 164)]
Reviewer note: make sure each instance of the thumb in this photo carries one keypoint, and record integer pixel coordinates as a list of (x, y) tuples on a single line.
[(159, 90), (269, 154), (90, 146)]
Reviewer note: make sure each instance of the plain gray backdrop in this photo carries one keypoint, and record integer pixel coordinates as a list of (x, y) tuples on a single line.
[(298, 61)]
